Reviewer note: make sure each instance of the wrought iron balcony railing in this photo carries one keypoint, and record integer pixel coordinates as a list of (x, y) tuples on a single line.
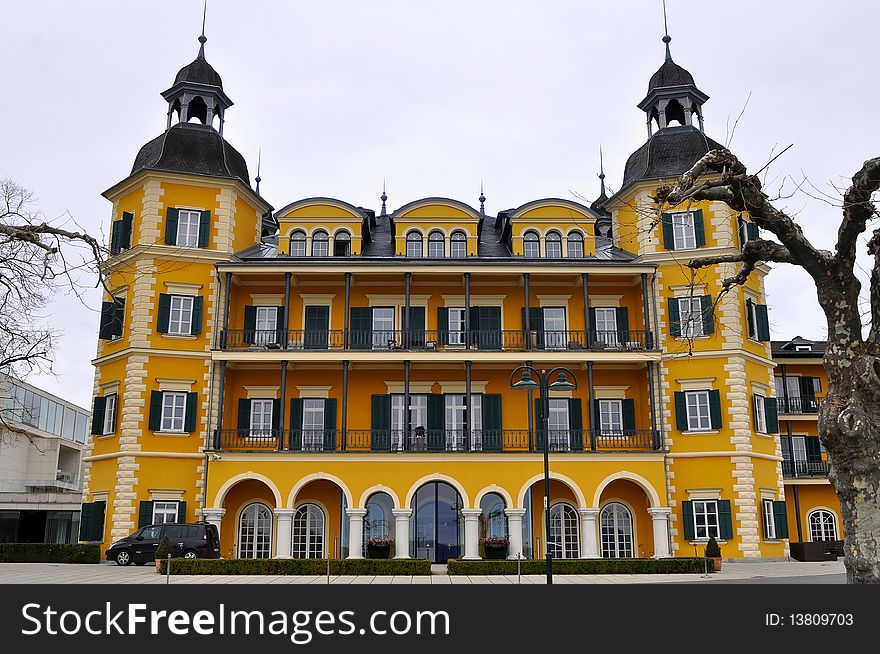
[(792, 469), (798, 405)]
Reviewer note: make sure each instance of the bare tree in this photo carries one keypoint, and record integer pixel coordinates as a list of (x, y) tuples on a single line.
[(37, 258), (849, 417)]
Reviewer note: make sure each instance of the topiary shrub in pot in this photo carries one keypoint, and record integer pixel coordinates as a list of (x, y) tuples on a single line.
[(713, 551), (162, 553), (495, 547)]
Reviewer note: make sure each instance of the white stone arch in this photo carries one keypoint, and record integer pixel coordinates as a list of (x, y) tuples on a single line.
[(378, 488), (646, 486), (438, 477), (299, 485), (498, 490), (298, 228), (220, 497), (341, 228), (568, 481), (415, 228)]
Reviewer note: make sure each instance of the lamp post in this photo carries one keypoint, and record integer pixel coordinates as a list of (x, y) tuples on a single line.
[(527, 382)]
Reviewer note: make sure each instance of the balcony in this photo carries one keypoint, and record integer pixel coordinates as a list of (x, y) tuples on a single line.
[(427, 440), (433, 340), (798, 405), (798, 469)]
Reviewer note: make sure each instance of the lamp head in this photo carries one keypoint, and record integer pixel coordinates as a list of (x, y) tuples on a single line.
[(562, 383), (526, 383)]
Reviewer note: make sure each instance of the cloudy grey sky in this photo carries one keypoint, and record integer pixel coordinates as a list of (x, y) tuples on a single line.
[(432, 96)]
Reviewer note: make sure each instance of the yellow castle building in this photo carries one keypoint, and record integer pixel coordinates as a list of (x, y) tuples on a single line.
[(324, 379)]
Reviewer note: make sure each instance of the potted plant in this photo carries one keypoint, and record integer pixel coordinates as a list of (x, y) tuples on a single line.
[(495, 547), (713, 551), (162, 553), (379, 548)]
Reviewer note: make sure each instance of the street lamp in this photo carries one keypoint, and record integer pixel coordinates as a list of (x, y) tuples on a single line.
[(530, 380)]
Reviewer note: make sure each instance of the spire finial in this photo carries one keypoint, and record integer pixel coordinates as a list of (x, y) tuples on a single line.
[(482, 199), (203, 38), (666, 37), (383, 197), (601, 170), (258, 179)]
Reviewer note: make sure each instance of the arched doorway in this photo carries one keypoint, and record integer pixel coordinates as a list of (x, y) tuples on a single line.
[(308, 532), (564, 538), (255, 532), (616, 526), (379, 520), (436, 522)]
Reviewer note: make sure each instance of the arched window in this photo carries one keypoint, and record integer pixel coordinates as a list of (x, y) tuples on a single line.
[(823, 526), (255, 532), (531, 245), (436, 245), (320, 244), (298, 244), (553, 245), (493, 521), (617, 531), (575, 245), (379, 520), (564, 538), (342, 244), (308, 532), (414, 244), (458, 245), (436, 527)]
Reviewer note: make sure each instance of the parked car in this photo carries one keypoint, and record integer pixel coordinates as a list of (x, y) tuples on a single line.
[(200, 540)]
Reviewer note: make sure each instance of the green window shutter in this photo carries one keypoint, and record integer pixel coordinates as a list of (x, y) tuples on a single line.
[(814, 449), (98, 524), (750, 322), (489, 325), (276, 414), (317, 327), (597, 421), (725, 520), (250, 324), (98, 415), (536, 325), (699, 228), (780, 518), (629, 416), (436, 412), (164, 314), (105, 328), (687, 519), (280, 327), (492, 430), (125, 235), (741, 231), (443, 325), (155, 422), (330, 424), (244, 415), (622, 316), (296, 423), (668, 237), (771, 414), (763, 322), (674, 317), (204, 229), (115, 237), (752, 231), (118, 315), (755, 399), (196, 325), (417, 326), (708, 314), (361, 326), (172, 216), (87, 511), (145, 514), (681, 415), (575, 424), (189, 418), (715, 409), (380, 423), (591, 317), (181, 512), (539, 424)]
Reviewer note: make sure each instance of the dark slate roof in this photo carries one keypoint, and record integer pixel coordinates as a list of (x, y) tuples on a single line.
[(668, 153), (199, 72), (670, 74), (195, 149), (492, 242), (382, 243), (789, 348)]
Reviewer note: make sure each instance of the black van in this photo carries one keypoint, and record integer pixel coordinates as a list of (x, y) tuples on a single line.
[(200, 540)]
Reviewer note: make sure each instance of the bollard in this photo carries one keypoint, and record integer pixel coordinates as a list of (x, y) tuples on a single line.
[(168, 571), (328, 569), (518, 573)]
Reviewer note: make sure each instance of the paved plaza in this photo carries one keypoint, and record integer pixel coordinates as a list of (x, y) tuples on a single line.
[(110, 573)]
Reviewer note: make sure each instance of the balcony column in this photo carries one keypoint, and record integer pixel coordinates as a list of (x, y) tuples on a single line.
[(283, 533), (345, 316), (797, 513), (528, 325), (788, 436), (783, 370), (285, 319), (471, 533), (649, 338), (585, 282), (514, 532), (218, 435), (655, 438), (589, 531), (356, 533), (401, 533), (660, 522), (467, 311), (345, 366), (593, 426), (407, 320), (281, 405), (531, 409), (224, 334), (468, 421), (214, 516), (405, 440)]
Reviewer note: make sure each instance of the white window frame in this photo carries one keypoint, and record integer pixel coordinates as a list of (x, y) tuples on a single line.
[(313, 421), (611, 409), (560, 438), (266, 325), (169, 422), (181, 324), (456, 326), (309, 532), (301, 243), (165, 512), (564, 522), (325, 244), (684, 236), (616, 531), (578, 239), (382, 335), (255, 532), (708, 510), (752, 320), (261, 417), (760, 414), (411, 240), (536, 242), (434, 241), (188, 222), (769, 520), (825, 526), (690, 320), (458, 241), (109, 426), (454, 411), (556, 238), (418, 417), (556, 338), (697, 421), (603, 333)]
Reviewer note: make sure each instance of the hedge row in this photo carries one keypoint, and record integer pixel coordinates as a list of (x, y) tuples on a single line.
[(298, 567), (49, 553), (581, 566)]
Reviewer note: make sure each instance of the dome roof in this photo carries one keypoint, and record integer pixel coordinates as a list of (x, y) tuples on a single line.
[(199, 72), (194, 149), (668, 153), (670, 74)]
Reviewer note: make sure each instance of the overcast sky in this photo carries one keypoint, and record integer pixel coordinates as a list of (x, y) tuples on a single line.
[(433, 97)]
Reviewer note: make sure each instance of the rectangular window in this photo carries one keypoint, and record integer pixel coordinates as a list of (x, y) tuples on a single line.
[(418, 419), (760, 416), (266, 325), (436, 247), (706, 519), (752, 320), (606, 325), (799, 445), (559, 424), (383, 328), (554, 328), (109, 414), (69, 423), (456, 433), (690, 311), (164, 512), (611, 416), (683, 233), (698, 411), (313, 425), (456, 325), (414, 245), (173, 411), (769, 520), (458, 247), (188, 228), (180, 317), (261, 418)]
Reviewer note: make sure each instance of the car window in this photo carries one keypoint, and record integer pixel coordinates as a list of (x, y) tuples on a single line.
[(175, 531), (152, 533), (193, 532)]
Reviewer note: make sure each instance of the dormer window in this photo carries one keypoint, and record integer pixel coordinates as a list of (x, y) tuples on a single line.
[(458, 245), (553, 245), (320, 244), (575, 245), (531, 245), (342, 244), (414, 244), (436, 245), (298, 244), (803, 348)]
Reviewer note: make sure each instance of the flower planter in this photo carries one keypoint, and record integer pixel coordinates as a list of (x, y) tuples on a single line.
[(378, 551), (496, 551), (716, 563)]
